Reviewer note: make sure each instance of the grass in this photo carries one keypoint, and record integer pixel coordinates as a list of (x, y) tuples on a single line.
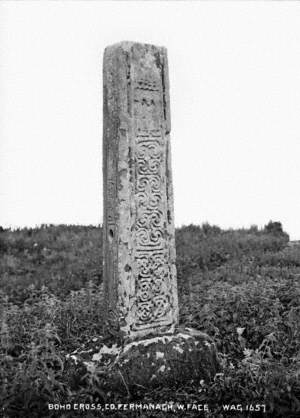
[(240, 286)]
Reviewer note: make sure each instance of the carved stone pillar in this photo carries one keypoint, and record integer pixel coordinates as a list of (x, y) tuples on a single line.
[(140, 289), (138, 228)]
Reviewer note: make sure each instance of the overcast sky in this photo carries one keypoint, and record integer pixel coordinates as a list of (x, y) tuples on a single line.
[(235, 108)]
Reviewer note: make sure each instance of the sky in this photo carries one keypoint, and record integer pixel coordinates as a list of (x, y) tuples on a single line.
[(234, 72)]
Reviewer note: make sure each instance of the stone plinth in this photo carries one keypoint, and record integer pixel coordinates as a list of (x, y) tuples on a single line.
[(139, 249), (187, 355), (167, 360)]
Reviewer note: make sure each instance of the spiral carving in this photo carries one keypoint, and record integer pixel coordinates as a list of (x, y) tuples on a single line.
[(151, 254)]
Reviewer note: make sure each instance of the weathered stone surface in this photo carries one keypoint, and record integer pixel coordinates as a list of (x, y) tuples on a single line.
[(139, 249), (187, 355)]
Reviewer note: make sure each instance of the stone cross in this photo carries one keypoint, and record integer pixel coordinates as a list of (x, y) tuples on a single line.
[(140, 283), (138, 232)]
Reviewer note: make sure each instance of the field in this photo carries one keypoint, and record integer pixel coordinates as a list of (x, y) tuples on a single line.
[(242, 287)]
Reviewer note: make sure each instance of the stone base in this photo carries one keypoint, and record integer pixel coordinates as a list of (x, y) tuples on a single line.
[(187, 355)]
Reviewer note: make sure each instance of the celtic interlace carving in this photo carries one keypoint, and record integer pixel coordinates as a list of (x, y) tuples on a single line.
[(152, 281)]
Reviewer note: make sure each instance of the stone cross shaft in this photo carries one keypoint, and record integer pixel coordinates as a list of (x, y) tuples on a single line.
[(140, 283)]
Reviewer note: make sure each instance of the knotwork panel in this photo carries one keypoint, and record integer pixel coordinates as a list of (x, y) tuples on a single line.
[(152, 306)]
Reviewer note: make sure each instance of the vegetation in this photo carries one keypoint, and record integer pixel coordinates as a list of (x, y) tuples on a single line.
[(240, 286)]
